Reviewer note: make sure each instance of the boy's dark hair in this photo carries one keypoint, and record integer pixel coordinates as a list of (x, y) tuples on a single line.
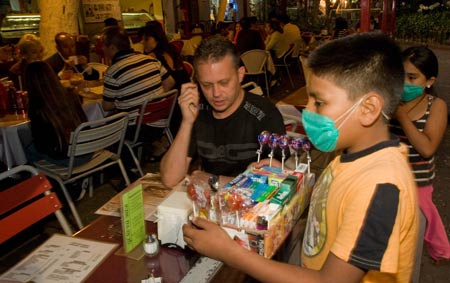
[(362, 63), (116, 36), (423, 59), (215, 49)]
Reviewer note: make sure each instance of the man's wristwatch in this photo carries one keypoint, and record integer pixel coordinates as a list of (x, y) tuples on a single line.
[(213, 182)]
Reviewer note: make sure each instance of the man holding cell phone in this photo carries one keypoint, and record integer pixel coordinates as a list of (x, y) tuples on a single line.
[(221, 122)]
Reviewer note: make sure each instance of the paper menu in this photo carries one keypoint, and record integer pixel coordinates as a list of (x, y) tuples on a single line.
[(60, 259), (154, 192)]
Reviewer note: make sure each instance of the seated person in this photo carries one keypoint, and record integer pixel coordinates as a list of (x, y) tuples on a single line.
[(64, 58), (248, 38), (340, 28), (31, 50), (132, 78), (290, 30), (275, 42), (54, 113), (222, 131), (157, 46)]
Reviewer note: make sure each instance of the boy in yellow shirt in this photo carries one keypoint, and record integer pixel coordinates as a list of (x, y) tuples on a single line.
[(363, 217)]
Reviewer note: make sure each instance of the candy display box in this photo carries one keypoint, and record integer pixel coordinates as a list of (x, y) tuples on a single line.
[(258, 208), (267, 242)]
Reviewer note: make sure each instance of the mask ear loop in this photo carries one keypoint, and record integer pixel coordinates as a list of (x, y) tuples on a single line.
[(349, 112)]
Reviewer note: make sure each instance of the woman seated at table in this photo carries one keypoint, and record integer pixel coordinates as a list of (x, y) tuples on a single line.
[(54, 113), (31, 50), (157, 45)]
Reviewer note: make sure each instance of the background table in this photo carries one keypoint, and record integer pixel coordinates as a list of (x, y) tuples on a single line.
[(14, 129)]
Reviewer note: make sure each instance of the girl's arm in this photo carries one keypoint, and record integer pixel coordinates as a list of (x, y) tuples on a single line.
[(427, 142)]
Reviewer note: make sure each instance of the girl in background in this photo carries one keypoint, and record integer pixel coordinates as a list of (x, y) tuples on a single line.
[(157, 45), (54, 113), (420, 122), (31, 50)]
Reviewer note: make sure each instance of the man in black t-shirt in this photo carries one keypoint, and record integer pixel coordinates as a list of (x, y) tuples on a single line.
[(222, 127)]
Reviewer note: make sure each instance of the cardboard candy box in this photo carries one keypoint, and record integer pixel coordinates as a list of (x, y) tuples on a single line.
[(258, 208)]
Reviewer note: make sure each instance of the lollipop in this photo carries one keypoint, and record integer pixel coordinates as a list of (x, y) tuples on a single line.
[(263, 139), (283, 143), (273, 143), (306, 146), (296, 145)]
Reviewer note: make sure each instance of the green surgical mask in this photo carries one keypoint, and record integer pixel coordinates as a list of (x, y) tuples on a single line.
[(411, 92), (321, 130)]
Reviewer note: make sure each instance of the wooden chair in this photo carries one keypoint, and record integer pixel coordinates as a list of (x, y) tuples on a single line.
[(27, 203), (154, 113), (90, 138)]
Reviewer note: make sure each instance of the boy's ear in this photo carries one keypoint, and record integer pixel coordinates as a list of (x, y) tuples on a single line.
[(371, 108)]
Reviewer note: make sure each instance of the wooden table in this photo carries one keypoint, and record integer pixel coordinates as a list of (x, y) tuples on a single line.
[(171, 263)]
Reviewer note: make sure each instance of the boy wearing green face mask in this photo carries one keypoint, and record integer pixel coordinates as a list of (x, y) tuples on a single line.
[(363, 217), (420, 122)]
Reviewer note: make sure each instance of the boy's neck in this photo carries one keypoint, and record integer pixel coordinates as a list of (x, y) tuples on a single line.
[(370, 136)]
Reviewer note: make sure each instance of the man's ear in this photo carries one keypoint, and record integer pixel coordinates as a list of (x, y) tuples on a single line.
[(371, 108), (241, 73)]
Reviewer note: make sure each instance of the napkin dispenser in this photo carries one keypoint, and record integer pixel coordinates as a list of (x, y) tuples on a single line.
[(173, 212)]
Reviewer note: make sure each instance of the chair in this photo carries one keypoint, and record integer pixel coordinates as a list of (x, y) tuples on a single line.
[(285, 62), (27, 203), (189, 69), (93, 137), (255, 64), (101, 68), (156, 113), (178, 44), (303, 60), (299, 49), (253, 88)]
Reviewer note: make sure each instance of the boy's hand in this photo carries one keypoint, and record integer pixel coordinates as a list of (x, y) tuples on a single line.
[(189, 101), (208, 239)]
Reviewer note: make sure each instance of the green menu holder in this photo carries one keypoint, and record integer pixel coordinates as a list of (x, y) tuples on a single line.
[(133, 223)]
